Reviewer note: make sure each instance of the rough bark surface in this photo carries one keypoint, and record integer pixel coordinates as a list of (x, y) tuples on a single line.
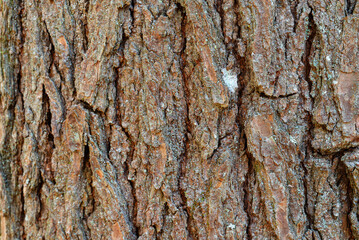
[(179, 119)]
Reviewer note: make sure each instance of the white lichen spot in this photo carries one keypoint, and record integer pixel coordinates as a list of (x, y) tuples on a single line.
[(293, 140), (230, 79), (231, 226)]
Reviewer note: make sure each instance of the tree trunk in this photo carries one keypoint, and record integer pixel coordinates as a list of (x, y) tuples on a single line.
[(187, 119)]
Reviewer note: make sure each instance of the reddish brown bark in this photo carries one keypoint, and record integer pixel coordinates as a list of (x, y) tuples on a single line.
[(188, 119)]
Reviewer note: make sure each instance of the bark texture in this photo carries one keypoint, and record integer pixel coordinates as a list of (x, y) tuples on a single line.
[(179, 119)]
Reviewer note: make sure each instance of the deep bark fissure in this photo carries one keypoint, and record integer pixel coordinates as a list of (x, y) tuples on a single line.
[(305, 185), (132, 143), (264, 95), (247, 194), (242, 84), (343, 176), (350, 7), (308, 50), (39, 196), (293, 4), (309, 150), (47, 117), (85, 26), (48, 149), (184, 158), (87, 176)]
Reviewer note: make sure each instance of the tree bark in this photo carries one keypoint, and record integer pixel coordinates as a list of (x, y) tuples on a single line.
[(187, 119)]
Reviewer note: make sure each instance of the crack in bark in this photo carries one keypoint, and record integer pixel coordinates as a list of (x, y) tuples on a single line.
[(293, 9), (242, 84), (264, 95), (350, 7), (309, 150), (50, 144), (132, 143), (308, 49), (305, 185), (186, 92), (247, 195), (85, 26), (87, 175), (343, 175)]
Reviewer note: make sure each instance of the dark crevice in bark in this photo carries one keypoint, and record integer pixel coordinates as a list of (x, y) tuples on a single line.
[(85, 26), (88, 177), (308, 49), (132, 143), (309, 150), (71, 40), (127, 164), (47, 116), (264, 95), (48, 146), (242, 83), (219, 9), (310, 217), (121, 56), (247, 194), (131, 8), (90, 108), (22, 217), (21, 97), (350, 7), (20, 54), (40, 183), (88, 174), (344, 177), (53, 62), (52, 49), (187, 140), (293, 4), (131, 181)]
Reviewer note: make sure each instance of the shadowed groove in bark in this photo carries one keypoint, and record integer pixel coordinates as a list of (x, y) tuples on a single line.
[(305, 185), (49, 146), (293, 8), (350, 6), (87, 175), (184, 159), (309, 48), (343, 177), (85, 26), (247, 195), (308, 148), (21, 142), (242, 84)]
